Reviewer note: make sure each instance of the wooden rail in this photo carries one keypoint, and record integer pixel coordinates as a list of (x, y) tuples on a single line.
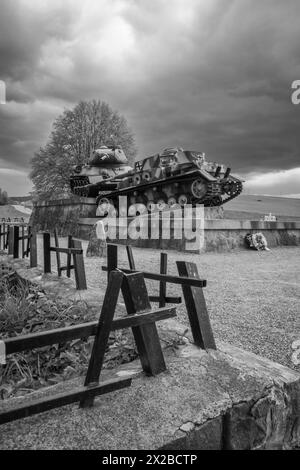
[(82, 331), (165, 278)]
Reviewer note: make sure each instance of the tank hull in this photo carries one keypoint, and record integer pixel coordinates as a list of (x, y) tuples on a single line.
[(175, 177)]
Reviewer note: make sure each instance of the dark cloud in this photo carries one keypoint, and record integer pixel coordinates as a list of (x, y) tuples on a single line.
[(214, 76)]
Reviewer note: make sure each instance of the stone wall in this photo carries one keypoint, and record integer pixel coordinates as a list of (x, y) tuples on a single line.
[(62, 214), (216, 400), (78, 216), (218, 235)]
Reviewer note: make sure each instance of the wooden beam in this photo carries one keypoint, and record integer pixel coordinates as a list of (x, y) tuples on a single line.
[(196, 308), (16, 241), (79, 266), (62, 399), (146, 337), (67, 251), (23, 241), (10, 242), (130, 257), (47, 253), (102, 333), (82, 331), (7, 238), (112, 258), (166, 277), (169, 300), (33, 248), (163, 284), (69, 266), (57, 252)]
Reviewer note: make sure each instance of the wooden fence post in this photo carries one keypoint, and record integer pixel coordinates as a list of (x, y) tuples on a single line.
[(162, 284), (102, 334), (47, 252), (79, 266), (69, 256), (136, 299), (112, 258), (10, 240), (196, 308), (3, 236), (7, 238), (33, 248), (16, 234), (23, 241), (130, 257), (57, 253)]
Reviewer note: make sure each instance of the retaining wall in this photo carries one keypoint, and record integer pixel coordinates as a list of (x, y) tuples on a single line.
[(62, 214), (217, 235), (77, 217)]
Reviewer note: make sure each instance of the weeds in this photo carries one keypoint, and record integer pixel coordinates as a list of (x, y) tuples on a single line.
[(27, 309)]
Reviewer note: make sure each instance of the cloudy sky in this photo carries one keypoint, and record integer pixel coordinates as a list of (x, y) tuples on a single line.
[(208, 75)]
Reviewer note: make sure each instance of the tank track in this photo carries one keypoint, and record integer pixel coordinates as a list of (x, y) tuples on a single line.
[(77, 185), (212, 196), (235, 191)]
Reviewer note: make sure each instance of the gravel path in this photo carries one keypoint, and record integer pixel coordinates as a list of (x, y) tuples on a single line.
[(253, 298)]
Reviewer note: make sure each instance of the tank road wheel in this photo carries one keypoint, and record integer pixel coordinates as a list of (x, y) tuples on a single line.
[(137, 179), (231, 188), (161, 204), (151, 206), (172, 201), (146, 176), (199, 189), (183, 200)]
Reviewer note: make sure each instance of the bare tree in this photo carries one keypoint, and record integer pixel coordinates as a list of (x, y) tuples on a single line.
[(76, 133)]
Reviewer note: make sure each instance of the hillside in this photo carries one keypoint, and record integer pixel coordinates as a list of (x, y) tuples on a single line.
[(253, 207), (14, 212)]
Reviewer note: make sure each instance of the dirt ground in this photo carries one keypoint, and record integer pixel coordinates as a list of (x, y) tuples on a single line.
[(253, 298)]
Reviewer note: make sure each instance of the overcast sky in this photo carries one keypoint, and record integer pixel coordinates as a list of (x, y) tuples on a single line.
[(209, 75)]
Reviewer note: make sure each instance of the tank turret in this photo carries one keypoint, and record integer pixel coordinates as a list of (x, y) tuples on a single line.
[(104, 164)]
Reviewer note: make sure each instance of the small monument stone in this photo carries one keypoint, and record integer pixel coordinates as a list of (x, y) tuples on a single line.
[(97, 241)]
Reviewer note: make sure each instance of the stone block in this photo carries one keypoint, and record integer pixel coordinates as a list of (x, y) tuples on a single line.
[(97, 241)]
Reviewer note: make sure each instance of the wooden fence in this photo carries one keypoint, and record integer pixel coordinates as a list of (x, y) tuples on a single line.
[(140, 318), (74, 250), (192, 288), (21, 242)]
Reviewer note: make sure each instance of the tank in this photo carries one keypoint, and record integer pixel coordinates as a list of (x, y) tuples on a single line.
[(105, 165), (172, 177)]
